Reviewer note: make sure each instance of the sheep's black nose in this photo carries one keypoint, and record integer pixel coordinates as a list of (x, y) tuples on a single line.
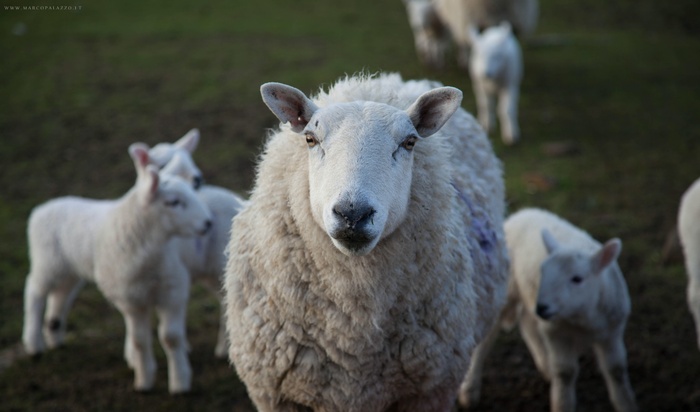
[(197, 182), (542, 311), (355, 216), (207, 225)]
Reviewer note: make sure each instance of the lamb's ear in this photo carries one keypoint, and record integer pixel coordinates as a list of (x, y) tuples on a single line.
[(189, 141), (148, 184), (505, 24), (550, 243), (288, 104), (139, 154), (606, 255), (433, 108), (473, 34)]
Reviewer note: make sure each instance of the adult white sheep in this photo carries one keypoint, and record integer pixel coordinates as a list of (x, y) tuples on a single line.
[(460, 15), (371, 258), (203, 257), (118, 244), (570, 295), (689, 234), (496, 69), (430, 35)]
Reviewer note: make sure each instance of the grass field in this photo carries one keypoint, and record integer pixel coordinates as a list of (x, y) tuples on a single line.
[(619, 81)]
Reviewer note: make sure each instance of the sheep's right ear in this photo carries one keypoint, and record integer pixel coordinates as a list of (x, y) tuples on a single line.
[(148, 184), (288, 104), (606, 255), (550, 243), (189, 141), (139, 154)]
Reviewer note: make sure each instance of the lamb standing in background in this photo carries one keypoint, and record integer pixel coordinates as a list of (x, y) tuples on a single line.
[(689, 234), (460, 15), (118, 244), (203, 257), (570, 295), (371, 259), (496, 69), (430, 35)]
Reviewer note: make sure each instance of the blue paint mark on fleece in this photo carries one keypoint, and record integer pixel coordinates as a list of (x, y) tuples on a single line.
[(482, 236)]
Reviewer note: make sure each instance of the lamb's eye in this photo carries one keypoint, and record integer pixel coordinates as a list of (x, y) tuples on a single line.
[(409, 142), (577, 279), (311, 140), (172, 203)]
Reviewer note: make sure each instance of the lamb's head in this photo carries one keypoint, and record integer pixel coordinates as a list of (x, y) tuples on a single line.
[(490, 50), (173, 199), (360, 158), (571, 278), (176, 158)]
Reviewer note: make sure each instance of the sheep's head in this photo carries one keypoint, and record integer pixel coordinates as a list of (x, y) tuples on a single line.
[(176, 158), (175, 202), (360, 159), (571, 278), (490, 50)]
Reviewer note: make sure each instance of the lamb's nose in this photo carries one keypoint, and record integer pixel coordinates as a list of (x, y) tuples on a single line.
[(355, 215), (207, 225), (197, 182), (542, 310)]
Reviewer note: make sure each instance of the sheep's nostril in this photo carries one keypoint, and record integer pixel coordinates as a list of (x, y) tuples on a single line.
[(207, 225), (354, 215), (197, 182), (542, 310)]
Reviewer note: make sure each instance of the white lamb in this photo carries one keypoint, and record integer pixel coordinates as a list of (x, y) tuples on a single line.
[(460, 15), (496, 69), (119, 245), (371, 258), (689, 234), (430, 35), (569, 295), (202, 257)]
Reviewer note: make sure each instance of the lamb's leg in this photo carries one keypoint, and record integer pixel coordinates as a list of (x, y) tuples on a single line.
[(173, 338), (534, 342), (612, 360), (508, 115), (470, 390), (60, 300), (34, 306), (564, 372), (483, 104), (140, 342), (221, 350), (693, 293)]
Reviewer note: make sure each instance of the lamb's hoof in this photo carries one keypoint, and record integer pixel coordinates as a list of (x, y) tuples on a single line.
[(510, 140), (468, 398)]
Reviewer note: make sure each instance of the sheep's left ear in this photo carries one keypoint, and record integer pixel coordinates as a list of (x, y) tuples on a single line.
[(433, 108), (607, 255), (189, 141), (550, 243), (288, 104)]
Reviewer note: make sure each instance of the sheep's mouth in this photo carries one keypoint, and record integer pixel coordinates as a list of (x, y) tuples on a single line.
[(353, 242)]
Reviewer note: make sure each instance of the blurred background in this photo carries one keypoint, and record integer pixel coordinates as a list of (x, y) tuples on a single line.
[(610, 141)]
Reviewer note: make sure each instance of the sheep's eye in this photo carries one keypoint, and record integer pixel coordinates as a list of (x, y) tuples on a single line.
[(577, 279), (409, 142), (172, 203), (311, 140)]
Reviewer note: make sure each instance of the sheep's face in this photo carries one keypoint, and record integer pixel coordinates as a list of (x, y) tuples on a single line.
[(360, 159), (171, 198), (571, 279), (176, 158), (566, 285), (180, 210), (360, 168), (490, 52)]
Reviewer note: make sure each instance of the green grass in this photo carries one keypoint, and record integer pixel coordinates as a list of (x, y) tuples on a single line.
[(77, 88)]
